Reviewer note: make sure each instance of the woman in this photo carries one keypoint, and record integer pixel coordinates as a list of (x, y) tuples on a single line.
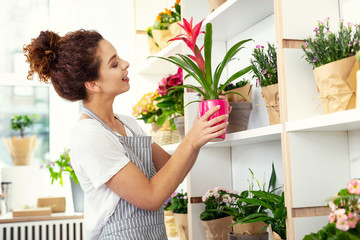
[(125, 176)]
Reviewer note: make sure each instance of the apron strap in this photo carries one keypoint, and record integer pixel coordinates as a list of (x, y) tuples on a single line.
[(91, 114)]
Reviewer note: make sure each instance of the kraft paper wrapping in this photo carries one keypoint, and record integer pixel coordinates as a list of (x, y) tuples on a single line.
[(214, 4), (181, 221), (21, 149), (246, 91), (358, 90), (271, 96), (175, 29), (170, 225), (161, 37), (217, 229), (153, 49), (336, 84), (274, 235), (249, 228)]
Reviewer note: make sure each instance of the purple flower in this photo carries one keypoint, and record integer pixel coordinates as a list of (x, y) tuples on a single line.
[(306, 43), (327, 19), (316, 29), (264, 72), (269, 75), (258, 82), (262, 46), (314, 60), (257, 46)]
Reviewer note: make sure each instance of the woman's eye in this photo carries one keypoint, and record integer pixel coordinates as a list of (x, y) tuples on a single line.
[(115, 65)]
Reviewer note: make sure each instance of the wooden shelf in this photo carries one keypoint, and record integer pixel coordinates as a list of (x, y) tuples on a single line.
[(257, 135), (157, 66), (340, 121), (235, 16)]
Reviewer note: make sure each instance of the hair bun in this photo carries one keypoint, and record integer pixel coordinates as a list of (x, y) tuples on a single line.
[(41, 53)]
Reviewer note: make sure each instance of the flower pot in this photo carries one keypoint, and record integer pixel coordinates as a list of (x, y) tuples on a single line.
[(249, 228), (271, 97), (180, 127), (274, 235), (170, 225), (153, 48), (224, 109), (164, 135), (214, 4), (78, 196), (232, 236), (161, 37), (181, 221), (21, 149), (175, 29), (246, 91), (217, 229), (336, 82), (358, 90), (239, 116)]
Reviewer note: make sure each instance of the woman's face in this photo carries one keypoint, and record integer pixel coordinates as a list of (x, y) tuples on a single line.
[(113, 78)]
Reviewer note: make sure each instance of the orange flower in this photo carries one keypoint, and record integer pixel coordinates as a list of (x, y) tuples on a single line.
[(177, 1), (158, 17)]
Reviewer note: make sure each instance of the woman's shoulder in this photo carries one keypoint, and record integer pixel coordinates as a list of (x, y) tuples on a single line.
[(131, 123)]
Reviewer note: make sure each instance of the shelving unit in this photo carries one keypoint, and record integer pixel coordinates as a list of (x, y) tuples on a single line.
[(306, 146)]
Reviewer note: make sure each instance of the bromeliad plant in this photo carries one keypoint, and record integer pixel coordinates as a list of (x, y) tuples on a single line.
[(199, 67)]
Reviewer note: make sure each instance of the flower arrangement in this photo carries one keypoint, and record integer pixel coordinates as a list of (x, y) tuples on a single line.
[(344, 217), (61, 165), (21, 122), (168, 16), (146, 107), (199, 67), (178, 203), (329, 46), (215, 201), (264, 65)]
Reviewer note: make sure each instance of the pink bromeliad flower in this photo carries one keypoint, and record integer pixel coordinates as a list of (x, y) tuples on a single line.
[(354, 186), (190, 36)]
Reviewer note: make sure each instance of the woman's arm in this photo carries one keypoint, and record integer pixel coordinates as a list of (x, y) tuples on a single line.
[(159, 156), (149, 194)]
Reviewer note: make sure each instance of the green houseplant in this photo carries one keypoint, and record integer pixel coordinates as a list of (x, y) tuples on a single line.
[(179, 202), (332, 55), (199, 67), (21, 149), (264, 68)]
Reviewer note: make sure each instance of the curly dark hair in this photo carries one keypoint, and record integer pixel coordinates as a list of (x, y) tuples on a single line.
[(67, 62)]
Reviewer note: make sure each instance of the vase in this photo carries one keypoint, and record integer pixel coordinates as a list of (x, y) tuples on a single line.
[(217, 229), (214, 4), (78, 196), (224, 109), (21, 149), (336, 83), (181, 221), (249, 228), (239, 116), (163, 135), (271, 97), (180, 126), (170, 225), (245, 91)]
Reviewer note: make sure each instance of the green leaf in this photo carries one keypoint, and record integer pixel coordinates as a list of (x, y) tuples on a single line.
[(272, 181), (207, 53)]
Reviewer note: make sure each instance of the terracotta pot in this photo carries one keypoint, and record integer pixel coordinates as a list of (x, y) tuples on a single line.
[(217, 229), (180, 126), (239, 116), (21, 149), (336, 82), (224, 109), (181, 221)]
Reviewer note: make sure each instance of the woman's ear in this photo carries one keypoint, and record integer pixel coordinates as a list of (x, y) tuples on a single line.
[(92, 86)]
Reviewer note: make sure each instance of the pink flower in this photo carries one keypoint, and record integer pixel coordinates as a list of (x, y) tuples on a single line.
[(233, 192), (342, 224), (176, 79), (340, 214), (257, 46), (332, 206), (354, 186), (331, 218), (352, 220)]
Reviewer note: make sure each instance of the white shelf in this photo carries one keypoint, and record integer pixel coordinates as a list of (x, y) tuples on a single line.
[(157, 66), (339, 121), (235, 16), (257, 135), (170, 148)]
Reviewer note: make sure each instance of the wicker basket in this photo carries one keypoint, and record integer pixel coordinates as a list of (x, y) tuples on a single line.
[(164, 135)]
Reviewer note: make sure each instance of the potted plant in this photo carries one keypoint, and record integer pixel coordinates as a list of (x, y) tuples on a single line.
[(332, 55), (344, 217), (56, 170), (358, 81), (216, 223), (21, 149), (179, 202), (199, 68), (239, 97), (165, 26), (153, 46), (171, 102), (264, 67)]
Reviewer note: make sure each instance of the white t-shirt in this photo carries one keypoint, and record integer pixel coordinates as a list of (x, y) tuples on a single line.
[(96, 156)]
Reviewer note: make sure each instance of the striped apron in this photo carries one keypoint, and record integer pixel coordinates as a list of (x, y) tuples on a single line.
[(129, 222)]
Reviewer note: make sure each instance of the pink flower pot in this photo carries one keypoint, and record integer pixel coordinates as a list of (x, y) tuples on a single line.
[(224, 109)]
